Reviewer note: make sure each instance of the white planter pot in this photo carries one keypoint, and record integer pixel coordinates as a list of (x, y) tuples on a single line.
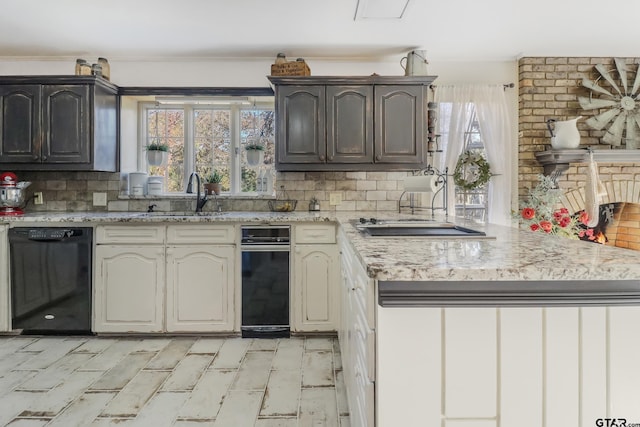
[(255, 157), (156, 157)]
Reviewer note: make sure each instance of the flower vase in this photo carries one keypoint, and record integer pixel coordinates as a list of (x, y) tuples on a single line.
[(212, 188), (255, 157), (156, 157)]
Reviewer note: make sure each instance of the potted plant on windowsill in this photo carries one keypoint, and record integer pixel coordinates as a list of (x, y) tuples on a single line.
[(212, 182), (157, 153), (255, 153)]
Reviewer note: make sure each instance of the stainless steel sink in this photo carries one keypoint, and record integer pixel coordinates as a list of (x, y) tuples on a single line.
[(418, 228)]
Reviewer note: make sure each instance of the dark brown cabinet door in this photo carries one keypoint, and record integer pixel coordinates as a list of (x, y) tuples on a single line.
[(301, 124), (349, 124), (19, 123), (58, 123), (65, 124), (399, 127)]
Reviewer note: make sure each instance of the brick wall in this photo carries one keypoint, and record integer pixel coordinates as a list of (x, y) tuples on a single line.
[(549, 88), (73, 192), (628, 232), (360, 191)]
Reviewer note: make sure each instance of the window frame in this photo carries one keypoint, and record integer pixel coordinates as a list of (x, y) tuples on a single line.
[(235, 122)]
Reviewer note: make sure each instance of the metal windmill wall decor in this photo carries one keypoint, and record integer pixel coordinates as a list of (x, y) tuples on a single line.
[(618, 101)]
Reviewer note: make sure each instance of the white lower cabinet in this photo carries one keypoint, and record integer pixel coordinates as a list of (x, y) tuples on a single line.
[(5, 320), (200, 294), (129, 288), (175, 286), (315, 279), (524, 366), (357, 337)]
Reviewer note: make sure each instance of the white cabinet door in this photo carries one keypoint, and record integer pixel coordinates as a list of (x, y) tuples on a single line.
[(316, 285), (200, 288), (5, 319), (128, 291)]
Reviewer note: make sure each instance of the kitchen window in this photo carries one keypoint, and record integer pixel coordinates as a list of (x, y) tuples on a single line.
[(209, 135)]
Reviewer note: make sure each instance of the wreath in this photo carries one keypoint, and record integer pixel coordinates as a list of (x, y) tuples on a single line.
[(472, 171)]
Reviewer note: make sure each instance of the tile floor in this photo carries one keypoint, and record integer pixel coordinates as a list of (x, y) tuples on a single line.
[(173, 381)]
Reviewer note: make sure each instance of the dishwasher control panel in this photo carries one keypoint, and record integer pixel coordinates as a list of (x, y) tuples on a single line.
[(52, 233)]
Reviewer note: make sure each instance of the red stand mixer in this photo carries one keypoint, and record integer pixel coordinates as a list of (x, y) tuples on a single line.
[(12, 194)]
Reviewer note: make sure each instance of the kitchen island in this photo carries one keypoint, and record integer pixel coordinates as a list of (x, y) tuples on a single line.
[(518, 329), (521, 330)]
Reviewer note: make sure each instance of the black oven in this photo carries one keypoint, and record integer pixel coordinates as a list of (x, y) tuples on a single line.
[(265, 281)]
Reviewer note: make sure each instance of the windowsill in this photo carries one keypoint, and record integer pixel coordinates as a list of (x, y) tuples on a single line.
[(185, 196)]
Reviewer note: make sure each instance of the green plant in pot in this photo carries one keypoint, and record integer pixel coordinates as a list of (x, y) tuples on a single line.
[(212, 182), (255, 153), (157, 153)]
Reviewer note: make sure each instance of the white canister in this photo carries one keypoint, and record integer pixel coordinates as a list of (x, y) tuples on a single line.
[(154, 185), (137, 179)]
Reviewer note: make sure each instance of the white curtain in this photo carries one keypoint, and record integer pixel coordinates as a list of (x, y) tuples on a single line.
[(492, 109)]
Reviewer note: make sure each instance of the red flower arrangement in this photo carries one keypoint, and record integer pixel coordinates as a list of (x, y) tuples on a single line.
[(539, 213)]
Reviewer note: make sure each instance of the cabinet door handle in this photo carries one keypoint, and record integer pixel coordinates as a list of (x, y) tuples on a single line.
[(378, 157), (330, 157), (44, 158), (322, 157), (36, 157)]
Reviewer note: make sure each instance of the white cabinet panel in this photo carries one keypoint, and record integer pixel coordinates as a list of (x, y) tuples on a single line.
[(134, 234), (521, 367), (624, 355), (472, 423), (201, 234), (593, 372), (5, 309), (315, 282), (408, 383), (128, 292), (315, 234), (561, 376), (200, 287), (471, 363)]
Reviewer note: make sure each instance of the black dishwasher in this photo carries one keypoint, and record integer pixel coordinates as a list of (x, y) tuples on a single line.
[(51, 280)]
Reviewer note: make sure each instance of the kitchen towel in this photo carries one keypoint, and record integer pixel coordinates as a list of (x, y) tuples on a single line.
[(594, 190)]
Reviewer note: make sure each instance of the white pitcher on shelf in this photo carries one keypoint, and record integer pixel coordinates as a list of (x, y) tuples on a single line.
[(564, 134)]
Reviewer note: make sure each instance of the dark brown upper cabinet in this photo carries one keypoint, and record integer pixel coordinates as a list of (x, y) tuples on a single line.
[(350, 123), (58, 123)]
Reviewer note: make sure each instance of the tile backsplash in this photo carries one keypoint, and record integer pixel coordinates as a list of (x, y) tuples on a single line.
[(358, 191)]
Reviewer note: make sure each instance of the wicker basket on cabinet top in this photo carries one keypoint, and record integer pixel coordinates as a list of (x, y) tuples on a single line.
[(291, 68)]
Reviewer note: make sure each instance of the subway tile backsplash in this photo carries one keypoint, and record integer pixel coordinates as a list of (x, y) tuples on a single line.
[(73, 191)]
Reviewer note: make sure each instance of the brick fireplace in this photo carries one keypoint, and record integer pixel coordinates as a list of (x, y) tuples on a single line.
[(623, 199), (549, 88)]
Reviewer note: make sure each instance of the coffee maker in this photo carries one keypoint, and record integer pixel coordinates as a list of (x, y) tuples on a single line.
[(12, 194)]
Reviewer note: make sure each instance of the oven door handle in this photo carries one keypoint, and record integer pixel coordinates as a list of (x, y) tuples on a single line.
[(265, 248)]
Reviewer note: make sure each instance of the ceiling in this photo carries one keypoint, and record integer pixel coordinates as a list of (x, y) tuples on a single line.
[(450, 30)]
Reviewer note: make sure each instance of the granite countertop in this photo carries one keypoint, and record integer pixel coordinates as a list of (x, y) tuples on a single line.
[(514, 254), (166, 217), (510, 255)]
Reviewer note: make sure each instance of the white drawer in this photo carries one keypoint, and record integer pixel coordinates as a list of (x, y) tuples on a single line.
[(203, 234), (364, 396), (315, 233), (133, 234), (364, 340), (365, 292)]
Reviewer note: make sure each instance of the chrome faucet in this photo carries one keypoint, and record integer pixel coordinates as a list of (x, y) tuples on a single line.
[(200, 202)]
